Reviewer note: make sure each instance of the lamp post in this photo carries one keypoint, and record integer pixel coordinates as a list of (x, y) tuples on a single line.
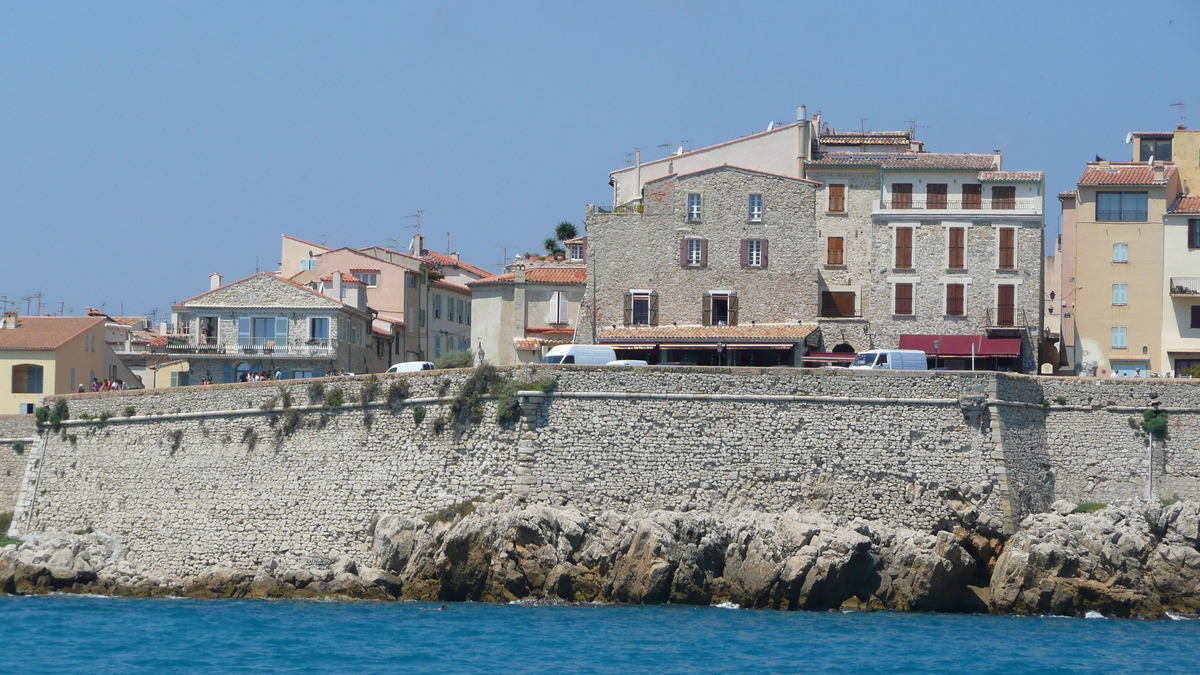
[(937, 350)]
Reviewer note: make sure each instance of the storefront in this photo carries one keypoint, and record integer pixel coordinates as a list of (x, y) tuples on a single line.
[(967, 352), (762, 345)]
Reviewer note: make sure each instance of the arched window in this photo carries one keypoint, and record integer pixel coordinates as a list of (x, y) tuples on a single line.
[(27, 379)]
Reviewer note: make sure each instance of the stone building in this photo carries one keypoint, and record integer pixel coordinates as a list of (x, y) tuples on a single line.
[(521, 314), (267, 324)]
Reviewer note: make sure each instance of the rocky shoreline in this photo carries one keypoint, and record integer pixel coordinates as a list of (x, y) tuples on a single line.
[(1137, 559)]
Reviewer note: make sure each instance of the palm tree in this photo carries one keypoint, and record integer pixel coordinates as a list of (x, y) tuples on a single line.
[(565, 231), (552, 247)]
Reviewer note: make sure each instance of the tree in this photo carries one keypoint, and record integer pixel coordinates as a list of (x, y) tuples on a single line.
[(565, 230), (552, 247)]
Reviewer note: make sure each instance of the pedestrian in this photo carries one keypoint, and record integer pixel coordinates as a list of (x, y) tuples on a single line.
[(278, 374)]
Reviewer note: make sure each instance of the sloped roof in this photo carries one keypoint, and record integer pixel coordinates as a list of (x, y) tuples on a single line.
[(1130, 173), (539, 275), (1011, 176), (1067, 194), (866, 138), (537, 343), (763, 332), (443, 259), (1186, 204), (577, 240), (909, 160), (306, 289), (729, 167), (346, 278), (46, 332), (447, 284)]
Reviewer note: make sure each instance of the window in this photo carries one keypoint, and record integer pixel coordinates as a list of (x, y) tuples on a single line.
[(935, 196), (27, 379), (901, 195), (834, 251), (1008, 245), (1158, 148), (1006, 296), (461, 312), (839, 304), (1119, 335), (972, 194), (837, 198), (1195, 316), (1120, 294), (468, 304), (575, 252), (904, 243), (693, 252), (754, 253), (261, 331), (693, 212), (437, 306), (1120, 253), (318, 328), (756, 209), (1004, 197), (1194, 233), (954, 299), (956, 255), (308, 264), (371, 279), (437, 346), (1121, 206), (559, 310), (720, 309), (641, 308), (410, 280), (904, 299)]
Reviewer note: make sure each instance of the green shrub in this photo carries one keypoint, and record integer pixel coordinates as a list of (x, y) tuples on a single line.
[(418, 415), (454, 512), (368, 419), (397, 393), (1089, 507), (291, 421), (1061, 400), (316, 392), (104, 417), (1154, 423), (1045, 403), (268, 404), (458, 359), (444, 386), (18, 447), (58, 413), (41, 415), (130, 411), (439, 425), (334, 397), (1170, 501), (5, 521), (370, 389), (508, 407)]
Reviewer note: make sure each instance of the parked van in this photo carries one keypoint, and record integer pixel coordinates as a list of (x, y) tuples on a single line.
[(890, 359), (411, 367), (580, 354)]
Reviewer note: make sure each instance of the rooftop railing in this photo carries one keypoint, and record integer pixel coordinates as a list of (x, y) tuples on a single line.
[(255, 346)]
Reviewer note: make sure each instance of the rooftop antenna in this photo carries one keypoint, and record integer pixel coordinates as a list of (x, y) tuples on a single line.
[(322, 240), (683, 145), (416, 216), (60, 308), (863, 124), (913, 126), (503, 257), (447, 243), (664, 145), (395, 243), (1182, 113)]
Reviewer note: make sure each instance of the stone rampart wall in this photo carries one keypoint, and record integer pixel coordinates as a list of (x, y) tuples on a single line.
[(201, 476), (12, 463)]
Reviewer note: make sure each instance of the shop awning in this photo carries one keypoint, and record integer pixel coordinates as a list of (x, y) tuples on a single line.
[(960, 345), (725, 345), (829, 357)]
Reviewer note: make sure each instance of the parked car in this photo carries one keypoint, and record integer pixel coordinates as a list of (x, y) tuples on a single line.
[(411, 367), (627, 362), (890, 359), (580, 354)]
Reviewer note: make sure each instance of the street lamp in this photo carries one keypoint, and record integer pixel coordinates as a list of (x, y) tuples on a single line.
[(937, 350)]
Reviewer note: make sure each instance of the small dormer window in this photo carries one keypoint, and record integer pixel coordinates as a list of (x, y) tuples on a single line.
[(371, 279), (575, 252), (1157, 148)]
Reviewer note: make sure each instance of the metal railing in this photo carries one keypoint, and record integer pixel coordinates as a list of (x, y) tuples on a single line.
[(1185, 285), (1005, 316), (960, 204), (254, 346), (1121, 215)]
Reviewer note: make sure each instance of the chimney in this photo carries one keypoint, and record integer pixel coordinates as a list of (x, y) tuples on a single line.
[(419, 245), (1160, 171), (337, 284), (455, 255), (10, 319), (802, 113), (214, 281), (997, 156)]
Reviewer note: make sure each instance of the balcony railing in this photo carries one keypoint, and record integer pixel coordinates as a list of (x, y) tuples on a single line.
[(255, 346), (1122, 215), (1185, 285), (961, 204)]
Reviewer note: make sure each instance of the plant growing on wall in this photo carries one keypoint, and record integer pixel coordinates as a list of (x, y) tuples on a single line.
[(1154, 423), (370, 389), (418, 415), (396, 394), (335, 397), (316, 393), (250, 437), (457, 359), (18, 447)]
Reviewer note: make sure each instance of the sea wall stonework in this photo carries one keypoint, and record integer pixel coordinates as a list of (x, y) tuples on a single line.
[(13, 429), (223, 475)]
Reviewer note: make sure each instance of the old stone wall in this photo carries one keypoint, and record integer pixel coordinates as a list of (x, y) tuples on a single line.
[(13, 429)]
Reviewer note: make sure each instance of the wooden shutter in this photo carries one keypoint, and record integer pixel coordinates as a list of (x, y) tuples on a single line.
[(683, 246), (904, 297), (733, 309), (835, 251), (935, 196), (745, 253), (901, 195), (629, 309), (972, 195), (837, 198), (706, 310), (704, 253), (957, 243), (1004, 197), (904, 238), (763, 253), (954, 299), (653, 309), (1005, 305), (1007, 248)]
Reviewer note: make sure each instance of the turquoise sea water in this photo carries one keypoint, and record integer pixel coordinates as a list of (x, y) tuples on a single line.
[(65, 634)]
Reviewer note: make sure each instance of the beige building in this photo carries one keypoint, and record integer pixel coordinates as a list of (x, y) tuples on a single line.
[(1065, 262), (521, 314), (41, 355), (1181, 292)]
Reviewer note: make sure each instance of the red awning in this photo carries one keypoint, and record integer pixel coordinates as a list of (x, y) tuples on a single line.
[(829, 357), (960, 345)]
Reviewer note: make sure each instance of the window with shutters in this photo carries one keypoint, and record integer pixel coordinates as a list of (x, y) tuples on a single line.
[(901, 195), (904, 248), (262, 331), (834, 251), (1006, 296), (1119, 337), (1193, 234), (957, 248), (720, 309), (837, 198), (641, 308), (559, 308), (1004, 197), (1120, 294), (954, 299), (1008, 248), (903, 304), (1120, 253), (972, 196), (693, 206), (694, 252), (839, 304), (756, 208), (754, 253), (935, 196), (437, 306)]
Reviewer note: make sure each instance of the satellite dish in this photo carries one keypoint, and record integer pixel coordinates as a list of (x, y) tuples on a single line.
[(1129, 137), (771, 125)]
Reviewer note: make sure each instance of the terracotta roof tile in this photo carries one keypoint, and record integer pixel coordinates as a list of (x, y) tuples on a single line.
[(539, 275), (537, 343), (1011, 176), (866, 138), (1067, 194), (725, 167), (1125, 174), (45, 332), (443, 259), (908, 160), (447, 284), (1187, 204), (577, 240), (346, 278), (763, 332)]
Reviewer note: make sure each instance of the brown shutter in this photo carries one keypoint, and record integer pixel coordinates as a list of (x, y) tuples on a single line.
[(628, 309), (837, 198), (1006, 300), (904, 298), (704, 253), (733, 309), (954, 299), (972, 195), (1007, 240), (745, 252), (935, 196), (904, 241), (957, 235), (683, 244), (653, 309), (706, 310), (763, 261), (834, 251)]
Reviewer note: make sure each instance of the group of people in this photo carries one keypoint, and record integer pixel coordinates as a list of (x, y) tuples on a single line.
[(106, 385), (255, 376)]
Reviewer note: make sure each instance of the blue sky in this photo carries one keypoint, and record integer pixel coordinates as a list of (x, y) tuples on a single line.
[(146, 145)]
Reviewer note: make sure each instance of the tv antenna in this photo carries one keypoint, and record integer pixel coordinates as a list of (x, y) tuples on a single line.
[(863, 124), (1182, 112), (913, 126), (395, 243), (504, 256), (416, 215)]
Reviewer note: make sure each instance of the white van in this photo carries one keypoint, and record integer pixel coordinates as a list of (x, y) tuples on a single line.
[(890, 359), (597, 355), (411, 367)]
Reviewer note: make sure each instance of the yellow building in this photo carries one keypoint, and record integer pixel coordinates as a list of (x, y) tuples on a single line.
[(42, 355)]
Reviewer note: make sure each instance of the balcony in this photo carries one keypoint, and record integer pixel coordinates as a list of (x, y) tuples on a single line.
[(317, 347), (1185, 286), (1022, 206)]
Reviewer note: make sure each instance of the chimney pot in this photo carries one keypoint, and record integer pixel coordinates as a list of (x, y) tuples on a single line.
[(214, 281), (337, 285)]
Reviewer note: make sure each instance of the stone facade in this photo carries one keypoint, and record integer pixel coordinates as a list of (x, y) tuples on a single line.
[(13, 429)]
